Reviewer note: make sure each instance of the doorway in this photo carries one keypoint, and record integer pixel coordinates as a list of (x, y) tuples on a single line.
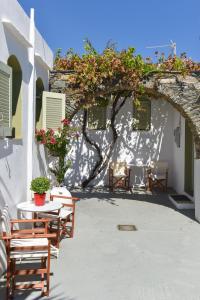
[(189, 160)]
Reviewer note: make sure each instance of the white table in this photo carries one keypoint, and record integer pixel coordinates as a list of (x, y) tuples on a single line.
[(48, 206), (31, 207)]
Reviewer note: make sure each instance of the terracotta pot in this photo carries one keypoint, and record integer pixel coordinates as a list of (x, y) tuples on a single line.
[(39, 199)]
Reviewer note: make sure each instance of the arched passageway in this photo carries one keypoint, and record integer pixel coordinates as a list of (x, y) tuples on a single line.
[(183, 93)]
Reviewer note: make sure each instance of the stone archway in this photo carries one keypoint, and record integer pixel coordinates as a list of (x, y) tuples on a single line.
[(183, 93)]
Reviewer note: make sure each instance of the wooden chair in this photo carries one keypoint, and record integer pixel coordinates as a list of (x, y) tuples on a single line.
[(157, 175), (67, 212), (21, 245), (119, 175), (62, 223)]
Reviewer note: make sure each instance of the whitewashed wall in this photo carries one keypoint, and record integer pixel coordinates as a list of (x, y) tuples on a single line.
[(13, 152), (138, 148), (179, 155), (197, 188), (135, 147)]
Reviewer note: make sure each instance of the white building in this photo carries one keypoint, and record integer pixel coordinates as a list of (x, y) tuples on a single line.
[(138, 147), (25, 60), (162, 134)]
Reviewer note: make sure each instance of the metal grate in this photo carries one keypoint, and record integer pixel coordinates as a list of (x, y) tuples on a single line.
[(127, 227)]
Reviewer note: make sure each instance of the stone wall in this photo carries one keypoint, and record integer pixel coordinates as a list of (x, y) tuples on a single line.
[(58, 83), (183, 92)]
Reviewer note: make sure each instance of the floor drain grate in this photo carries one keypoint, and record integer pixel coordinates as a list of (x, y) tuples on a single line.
[(127, 227)]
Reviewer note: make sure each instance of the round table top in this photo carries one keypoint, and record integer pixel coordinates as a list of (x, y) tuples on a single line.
[(31, 207)]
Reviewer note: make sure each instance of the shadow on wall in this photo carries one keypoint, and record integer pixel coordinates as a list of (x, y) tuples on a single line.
[(135, 147), (3, 202), (2, 254), (41, 163)]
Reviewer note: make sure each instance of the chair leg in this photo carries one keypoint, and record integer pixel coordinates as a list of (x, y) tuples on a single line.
[(48, 271), (164, 185), (73, 221), (47, 266), (13, 268), (58, 234), (43, 265), (8, 278), (149, 185)]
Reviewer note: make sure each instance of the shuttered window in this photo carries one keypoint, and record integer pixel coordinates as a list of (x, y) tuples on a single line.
[(5, 100), (53, 110), (142, 115), (97, 116)]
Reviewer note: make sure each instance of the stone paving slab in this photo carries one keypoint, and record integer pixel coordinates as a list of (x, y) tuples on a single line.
[(160, 261)]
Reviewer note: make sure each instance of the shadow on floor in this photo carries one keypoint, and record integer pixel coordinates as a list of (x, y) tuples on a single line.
[(55, 293), (157, 197)]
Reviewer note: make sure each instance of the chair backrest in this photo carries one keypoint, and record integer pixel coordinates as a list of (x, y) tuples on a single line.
[(5, 220), (159, 167), (119, 168), (62, 192)]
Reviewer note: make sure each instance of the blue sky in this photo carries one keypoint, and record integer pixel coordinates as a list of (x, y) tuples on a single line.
[(137, 23)]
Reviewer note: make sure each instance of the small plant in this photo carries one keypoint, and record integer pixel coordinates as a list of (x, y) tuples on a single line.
[(58, 145), (40, 185)]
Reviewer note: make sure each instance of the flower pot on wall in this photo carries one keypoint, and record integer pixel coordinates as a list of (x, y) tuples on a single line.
[(39, 199)]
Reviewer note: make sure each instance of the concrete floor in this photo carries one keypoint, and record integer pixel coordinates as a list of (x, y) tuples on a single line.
[(160, 261)]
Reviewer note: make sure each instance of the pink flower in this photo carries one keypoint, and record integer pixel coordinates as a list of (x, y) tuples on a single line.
[(65, 122), (52, 141), (51, 131)]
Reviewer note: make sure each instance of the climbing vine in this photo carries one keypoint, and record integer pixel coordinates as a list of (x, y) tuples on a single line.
[(116, 76)]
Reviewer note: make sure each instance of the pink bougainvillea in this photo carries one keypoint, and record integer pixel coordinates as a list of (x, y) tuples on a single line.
[(58, 145)]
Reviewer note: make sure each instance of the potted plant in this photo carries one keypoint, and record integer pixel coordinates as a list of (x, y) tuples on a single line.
[(39, 186)]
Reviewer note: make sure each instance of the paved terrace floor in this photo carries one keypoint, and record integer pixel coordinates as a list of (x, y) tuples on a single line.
[(160, 261)]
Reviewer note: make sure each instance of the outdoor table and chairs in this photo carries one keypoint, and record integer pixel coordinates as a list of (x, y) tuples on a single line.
[(41, 212), (22, 246), (153, 174), (60, 210), (37, 241)]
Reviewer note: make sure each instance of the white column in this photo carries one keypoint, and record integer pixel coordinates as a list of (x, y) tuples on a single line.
[(197, 188), (30, 104)]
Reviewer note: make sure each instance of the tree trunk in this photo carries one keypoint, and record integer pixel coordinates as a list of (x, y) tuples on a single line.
[(102, 162)]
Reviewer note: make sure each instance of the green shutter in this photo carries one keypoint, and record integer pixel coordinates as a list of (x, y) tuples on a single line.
[(5, 100), (142, 115), (97, 117), (53, 110)]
